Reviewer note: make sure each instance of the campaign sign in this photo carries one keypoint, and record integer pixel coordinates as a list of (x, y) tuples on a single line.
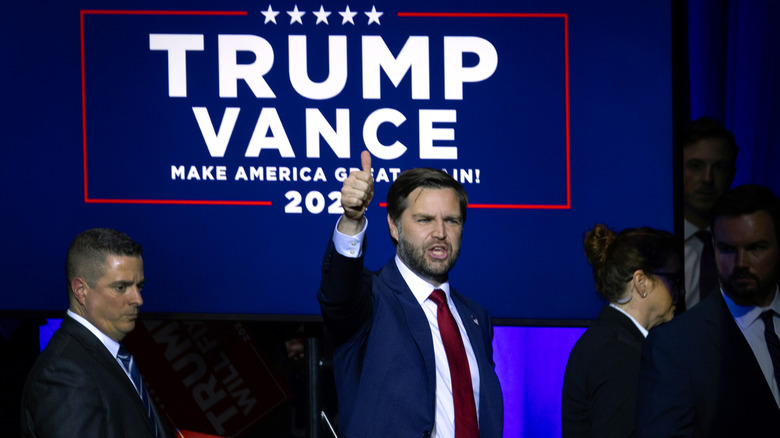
[(218, 134), (227, 107), (208, 377)]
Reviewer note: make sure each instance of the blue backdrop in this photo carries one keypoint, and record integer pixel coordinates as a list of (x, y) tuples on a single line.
[(734, 62), (217, 134)]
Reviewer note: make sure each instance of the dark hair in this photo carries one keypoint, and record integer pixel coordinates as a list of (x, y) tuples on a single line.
[(407, 181), (747, 199), (707, 128), (88, 251), (616, 256)]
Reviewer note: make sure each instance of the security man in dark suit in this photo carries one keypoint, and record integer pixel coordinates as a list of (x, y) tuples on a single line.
[(85, 384), (712, 372)]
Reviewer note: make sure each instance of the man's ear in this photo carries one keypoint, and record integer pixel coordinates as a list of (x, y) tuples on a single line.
[(80, 289), (393, 229)]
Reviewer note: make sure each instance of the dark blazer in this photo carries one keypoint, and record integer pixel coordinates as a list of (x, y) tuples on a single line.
[(76, 389), (600, 382), (700, 378), (384, 363)]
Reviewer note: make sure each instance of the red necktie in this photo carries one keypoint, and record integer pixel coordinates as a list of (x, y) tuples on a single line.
[(462, 393)]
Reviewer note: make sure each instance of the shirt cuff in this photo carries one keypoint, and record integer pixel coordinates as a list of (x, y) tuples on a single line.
[(349, 246)]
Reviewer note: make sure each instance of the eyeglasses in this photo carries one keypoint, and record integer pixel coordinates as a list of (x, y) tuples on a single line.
[(677, 281)]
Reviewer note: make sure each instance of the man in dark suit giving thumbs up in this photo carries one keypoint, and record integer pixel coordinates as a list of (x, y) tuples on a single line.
[(413, 356)]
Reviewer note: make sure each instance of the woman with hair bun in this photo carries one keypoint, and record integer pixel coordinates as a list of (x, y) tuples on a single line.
[(638, 272)]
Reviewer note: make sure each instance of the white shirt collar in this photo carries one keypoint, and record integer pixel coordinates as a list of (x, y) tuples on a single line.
[(747, 315), (637, 324), (111, 345), (690, 229), (420, 288)]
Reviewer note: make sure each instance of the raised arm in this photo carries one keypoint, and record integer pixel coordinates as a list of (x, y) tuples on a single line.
[(345, 285)]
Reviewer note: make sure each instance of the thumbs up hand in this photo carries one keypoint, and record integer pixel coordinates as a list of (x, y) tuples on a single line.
[(356, 194)]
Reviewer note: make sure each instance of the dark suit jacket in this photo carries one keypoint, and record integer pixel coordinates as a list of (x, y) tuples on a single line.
[(602, 374), (76, 389), (700, 378), (384, 361)]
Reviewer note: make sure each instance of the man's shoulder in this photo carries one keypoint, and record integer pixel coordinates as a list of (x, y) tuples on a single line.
[(466, 299), (691, 325), (714, 306), (74, 343), (65, 360), (65, 345), (475, 309), (388, 278)]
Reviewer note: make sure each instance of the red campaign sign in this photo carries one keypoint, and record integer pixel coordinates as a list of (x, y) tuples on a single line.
[(206, 377)]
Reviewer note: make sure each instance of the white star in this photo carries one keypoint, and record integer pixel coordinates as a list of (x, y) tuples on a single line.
[(347, 16), (270, 15), (373, 16), (295, 15), (321, 15)]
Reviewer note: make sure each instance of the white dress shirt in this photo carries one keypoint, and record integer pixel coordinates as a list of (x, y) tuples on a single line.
[(748, 318), (351, 246)]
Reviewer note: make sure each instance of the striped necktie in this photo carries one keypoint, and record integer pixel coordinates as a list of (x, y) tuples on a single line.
[(128, 363)]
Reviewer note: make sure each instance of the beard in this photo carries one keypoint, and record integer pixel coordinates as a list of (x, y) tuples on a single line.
[(416, 259), (744, 287)]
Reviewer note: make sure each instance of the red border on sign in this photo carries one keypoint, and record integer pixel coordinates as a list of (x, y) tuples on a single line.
[(89, 200), (565, 17)]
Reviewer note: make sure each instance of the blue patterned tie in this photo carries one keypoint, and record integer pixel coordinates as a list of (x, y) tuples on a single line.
[(772, 341), (127, 361)]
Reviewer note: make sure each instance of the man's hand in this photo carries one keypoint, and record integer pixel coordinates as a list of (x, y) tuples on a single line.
[(356, 194)]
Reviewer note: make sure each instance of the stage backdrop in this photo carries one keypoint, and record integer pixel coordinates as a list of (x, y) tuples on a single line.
[(217, 134)]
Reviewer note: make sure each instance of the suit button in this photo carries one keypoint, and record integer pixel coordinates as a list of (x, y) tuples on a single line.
[(426, 434)]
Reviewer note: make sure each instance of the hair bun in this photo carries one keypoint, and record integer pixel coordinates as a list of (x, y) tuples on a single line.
[(597, 243)]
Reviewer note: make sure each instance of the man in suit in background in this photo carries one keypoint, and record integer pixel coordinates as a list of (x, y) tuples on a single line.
[(84, 384), (709, 165), (413, 356), (713, 371)]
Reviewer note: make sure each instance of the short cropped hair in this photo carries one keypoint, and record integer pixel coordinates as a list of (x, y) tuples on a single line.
[(426, 177), (747, 199), (707, 128), (88, 251)]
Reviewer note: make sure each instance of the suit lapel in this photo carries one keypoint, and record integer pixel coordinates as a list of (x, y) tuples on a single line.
[(727, 337), (472, 325), (414, 315), (101, 354), (735, 352), (479, 329), (95, 347)]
